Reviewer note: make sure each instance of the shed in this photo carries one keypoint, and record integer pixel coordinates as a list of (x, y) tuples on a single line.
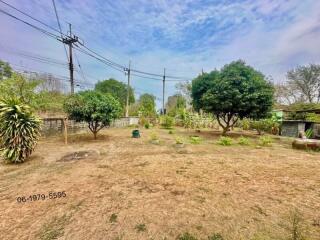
[(291, 128)]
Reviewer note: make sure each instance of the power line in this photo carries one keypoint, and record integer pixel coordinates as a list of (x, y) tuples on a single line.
[(59, 25), (93, 54), (33, 26), (28, 15)]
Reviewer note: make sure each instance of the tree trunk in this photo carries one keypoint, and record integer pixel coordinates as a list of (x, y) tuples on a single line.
[(95, 135)]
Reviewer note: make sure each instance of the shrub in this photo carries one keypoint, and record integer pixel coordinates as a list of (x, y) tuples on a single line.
[(147, 125), (245, 123), (244, 141), (309, 133), (171, 132), (265, 125), (179, 140), (166, 121), (225, 141), (265, 141), (19, 130), (143, 121), (195, 140)]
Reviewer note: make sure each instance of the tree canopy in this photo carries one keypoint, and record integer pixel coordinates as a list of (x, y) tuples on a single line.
[(147, 105), (236, 91), (95, 108), (117, 89), (175, 103), (5, 70)]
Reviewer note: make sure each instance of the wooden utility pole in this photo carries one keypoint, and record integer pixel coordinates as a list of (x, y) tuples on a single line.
[(163, 90), (69, 41), (128, 90)]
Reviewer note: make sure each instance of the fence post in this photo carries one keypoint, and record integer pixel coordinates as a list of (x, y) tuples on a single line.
[(65, 130)]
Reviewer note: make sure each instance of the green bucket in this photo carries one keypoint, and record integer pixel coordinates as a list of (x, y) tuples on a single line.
[(135, 133)]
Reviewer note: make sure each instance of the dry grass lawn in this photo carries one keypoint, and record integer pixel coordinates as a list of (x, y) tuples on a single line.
[(133, 189)]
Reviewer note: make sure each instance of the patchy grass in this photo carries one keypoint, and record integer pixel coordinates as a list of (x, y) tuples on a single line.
[(239, 192), (54, 228), (140, 227)]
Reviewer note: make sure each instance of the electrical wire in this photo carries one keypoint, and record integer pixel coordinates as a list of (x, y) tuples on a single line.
[(31, 25), (60, 29)]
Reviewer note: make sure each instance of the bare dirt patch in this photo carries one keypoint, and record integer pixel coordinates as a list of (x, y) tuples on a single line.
[(80, 155)]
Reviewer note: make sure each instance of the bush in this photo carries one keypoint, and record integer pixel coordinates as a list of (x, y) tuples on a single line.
[(195, 140), (147, 125), (245, 124), (19, 130), (225, 141), (265, 141), (166, 121), (179, 140), (309, 133), (265, 125), (171, 132), (244, 141)]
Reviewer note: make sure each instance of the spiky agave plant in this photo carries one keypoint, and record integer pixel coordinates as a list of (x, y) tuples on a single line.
[(19, 130)]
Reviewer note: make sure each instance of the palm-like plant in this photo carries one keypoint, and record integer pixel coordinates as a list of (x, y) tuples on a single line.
[(19, 130)]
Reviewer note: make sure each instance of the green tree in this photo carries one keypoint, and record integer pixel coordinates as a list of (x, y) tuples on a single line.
[(5, 70), (19, 130), (117, 89), (95, 108), (17, 86), (234, 92), (175, 103), (147, 105)]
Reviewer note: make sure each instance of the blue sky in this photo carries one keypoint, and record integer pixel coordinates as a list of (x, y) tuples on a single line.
[(182, 35)]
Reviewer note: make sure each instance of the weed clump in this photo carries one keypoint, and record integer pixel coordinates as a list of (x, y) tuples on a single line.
[(140, 227), (225, 141), (195, 140), (265, 141), (243, 141)]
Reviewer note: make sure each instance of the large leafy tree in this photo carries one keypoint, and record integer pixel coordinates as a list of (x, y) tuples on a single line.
[(5, 70), (234, 92), (19, 87), (95, 108), (147, 105), (175, 103), (117, 89)]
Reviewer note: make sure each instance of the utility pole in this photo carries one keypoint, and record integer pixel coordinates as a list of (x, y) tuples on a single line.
[(163, 90), (128, 89), (69, 41)]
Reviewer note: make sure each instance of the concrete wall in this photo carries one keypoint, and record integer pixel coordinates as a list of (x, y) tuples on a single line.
[(54, 126), (291, 129)]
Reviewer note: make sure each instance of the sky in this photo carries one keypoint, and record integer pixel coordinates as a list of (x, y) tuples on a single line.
[(183, 36)]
